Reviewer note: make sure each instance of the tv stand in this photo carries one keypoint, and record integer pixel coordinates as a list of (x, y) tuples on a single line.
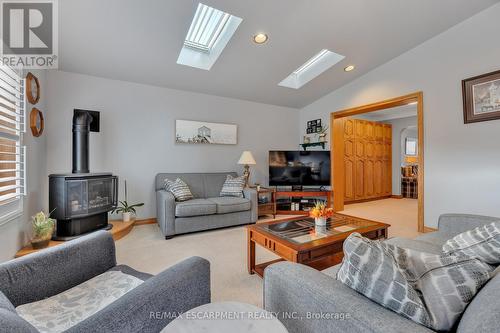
[(300, 194)]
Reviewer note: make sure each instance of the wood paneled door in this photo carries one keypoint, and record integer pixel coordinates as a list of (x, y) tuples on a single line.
[(367, 159)]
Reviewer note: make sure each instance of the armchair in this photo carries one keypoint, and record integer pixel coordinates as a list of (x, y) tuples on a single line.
[(47, 273)]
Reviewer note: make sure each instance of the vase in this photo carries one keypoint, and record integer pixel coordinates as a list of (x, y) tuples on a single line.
[(320, 229), (321, 221), (40, 243), (126, 217)]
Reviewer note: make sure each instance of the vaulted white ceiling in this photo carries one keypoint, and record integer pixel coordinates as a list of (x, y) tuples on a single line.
[(140, 40)]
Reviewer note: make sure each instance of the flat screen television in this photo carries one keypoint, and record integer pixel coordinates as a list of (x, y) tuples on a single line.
[(299, 168)]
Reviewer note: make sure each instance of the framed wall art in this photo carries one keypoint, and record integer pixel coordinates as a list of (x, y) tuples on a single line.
[(200, 132), (313, 126), (481, 97)]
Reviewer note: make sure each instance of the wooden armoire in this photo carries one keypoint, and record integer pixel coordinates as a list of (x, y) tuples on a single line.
[(367, 160)]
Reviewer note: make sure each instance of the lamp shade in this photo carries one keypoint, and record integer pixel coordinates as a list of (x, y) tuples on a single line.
[(247, 158)]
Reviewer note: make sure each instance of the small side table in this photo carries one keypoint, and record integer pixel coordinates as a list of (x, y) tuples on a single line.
[(267, 201), (225, 317)]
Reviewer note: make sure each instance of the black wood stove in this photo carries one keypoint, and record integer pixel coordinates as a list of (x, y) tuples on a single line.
[(80, 201)]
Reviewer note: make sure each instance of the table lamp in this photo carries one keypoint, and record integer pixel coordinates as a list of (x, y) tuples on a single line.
[(246, 159)]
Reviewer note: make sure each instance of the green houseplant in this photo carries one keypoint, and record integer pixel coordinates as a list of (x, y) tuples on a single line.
[(43, 228), (126, 209)]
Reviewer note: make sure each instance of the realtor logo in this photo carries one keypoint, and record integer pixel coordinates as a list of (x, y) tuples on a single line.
[(29, 34)]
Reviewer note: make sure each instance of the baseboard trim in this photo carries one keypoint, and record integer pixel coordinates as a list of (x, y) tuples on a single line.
[(151, 220), (429, 229), (398, 196), (368, 200)]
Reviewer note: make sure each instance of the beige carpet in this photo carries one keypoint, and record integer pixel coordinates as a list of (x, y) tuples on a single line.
[(145, 249), (401, 214)]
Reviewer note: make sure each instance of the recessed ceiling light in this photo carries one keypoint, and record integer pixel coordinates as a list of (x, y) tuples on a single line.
[(349, 68), (260, 38)]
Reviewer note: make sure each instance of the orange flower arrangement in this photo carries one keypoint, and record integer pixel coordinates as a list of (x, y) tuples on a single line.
[(320, 210)]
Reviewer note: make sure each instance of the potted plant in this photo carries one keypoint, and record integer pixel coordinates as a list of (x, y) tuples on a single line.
[(125, 208), (43, 228), (320, 213)]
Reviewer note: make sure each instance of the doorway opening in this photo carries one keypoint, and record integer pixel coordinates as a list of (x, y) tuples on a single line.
[(378, 153)]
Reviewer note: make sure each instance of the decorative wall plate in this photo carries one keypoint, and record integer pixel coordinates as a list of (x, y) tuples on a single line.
[(32, 88), (36, 122)]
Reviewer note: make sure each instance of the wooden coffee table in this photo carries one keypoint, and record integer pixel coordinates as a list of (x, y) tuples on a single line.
[(298, 240)]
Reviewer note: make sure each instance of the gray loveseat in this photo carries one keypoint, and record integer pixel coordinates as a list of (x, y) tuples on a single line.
[(298, 291), (52, 271), (207, 210)]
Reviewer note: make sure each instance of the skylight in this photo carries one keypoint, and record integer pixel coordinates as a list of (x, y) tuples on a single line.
[(208, 35), (207, 26), (311, 69)]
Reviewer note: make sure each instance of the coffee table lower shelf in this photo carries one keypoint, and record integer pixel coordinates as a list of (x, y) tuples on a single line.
[(319, 265)]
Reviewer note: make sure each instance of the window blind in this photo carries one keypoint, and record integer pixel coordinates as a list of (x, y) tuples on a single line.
[(12, 151)]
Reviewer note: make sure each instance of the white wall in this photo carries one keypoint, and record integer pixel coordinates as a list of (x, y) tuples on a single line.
[(462, 162), (398, 125), (137, 137), (15, 233)]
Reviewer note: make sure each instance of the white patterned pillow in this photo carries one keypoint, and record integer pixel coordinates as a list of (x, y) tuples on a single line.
[(482, 243), (233, 187), (179, 189), (65, 310), (429, 289)]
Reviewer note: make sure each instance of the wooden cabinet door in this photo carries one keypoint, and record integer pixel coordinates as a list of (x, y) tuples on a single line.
[(349, 181), (349, 168), (359, 131), (387, 158), (388, 133), (379, 132), (378, 178), (360, 179), (387, 171), (359, 162), (367, 159), (370, 160), (348, 128), (385, 178), (369, 178)]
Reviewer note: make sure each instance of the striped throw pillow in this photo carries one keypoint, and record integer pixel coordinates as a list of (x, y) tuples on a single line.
[(432, 290), (233, 187), (482, 243), (179, 189)]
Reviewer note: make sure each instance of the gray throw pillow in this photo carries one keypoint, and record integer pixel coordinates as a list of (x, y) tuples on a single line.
[(482, 243), (233, 187), (179, 189), (429, 289)]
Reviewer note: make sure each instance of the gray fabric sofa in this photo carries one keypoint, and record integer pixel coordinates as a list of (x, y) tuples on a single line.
[(49, 272), (207, 210), (324, 304)]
